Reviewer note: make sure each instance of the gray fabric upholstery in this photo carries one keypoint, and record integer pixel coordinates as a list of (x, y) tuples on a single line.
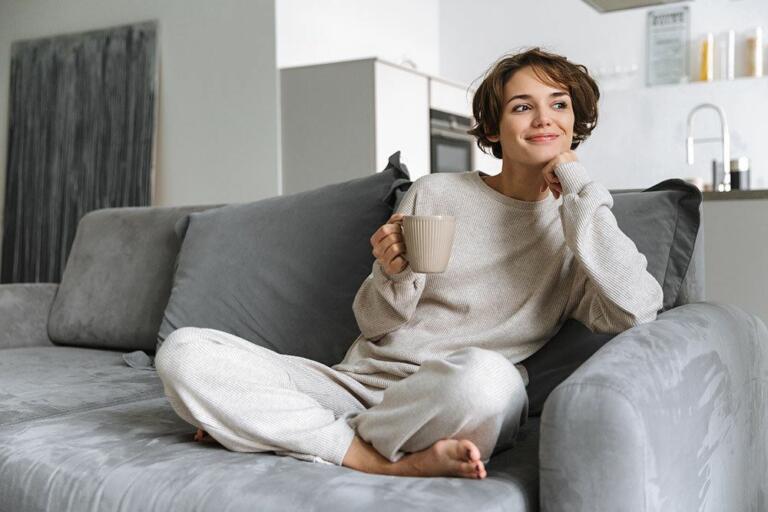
[(573, 344), (663, 221), (693, 288), (117, 279), (140, 457), (670, 415), (24, 312), (40, 382), (283, 272)]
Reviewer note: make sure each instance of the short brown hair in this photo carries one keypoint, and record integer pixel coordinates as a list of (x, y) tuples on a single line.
[(552, 69)]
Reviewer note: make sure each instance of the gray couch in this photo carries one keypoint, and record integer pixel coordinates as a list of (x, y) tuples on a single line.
[(670, 415)]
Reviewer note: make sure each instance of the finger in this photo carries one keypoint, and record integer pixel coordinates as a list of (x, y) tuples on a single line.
[(549, 168), (383, 231), (399, 264), (387, 242), (392, 238), (393, 251)]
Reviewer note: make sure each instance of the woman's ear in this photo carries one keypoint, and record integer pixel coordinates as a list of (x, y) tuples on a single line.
[(492, 138)]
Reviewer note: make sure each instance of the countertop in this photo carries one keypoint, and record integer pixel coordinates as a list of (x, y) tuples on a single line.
[(717, 196), (736, 194)]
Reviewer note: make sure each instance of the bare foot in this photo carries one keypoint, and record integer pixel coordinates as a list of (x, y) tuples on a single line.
[(446, 457)]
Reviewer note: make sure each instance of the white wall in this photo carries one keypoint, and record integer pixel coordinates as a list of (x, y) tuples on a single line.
[(473, 34), (640, 134), (312, 32), (218, 115), (641, 131)]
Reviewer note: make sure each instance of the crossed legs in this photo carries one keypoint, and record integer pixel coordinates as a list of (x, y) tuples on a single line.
[(445, 419)]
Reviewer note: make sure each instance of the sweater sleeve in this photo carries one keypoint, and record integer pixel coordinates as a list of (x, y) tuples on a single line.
[(385, 302), (611, 290)]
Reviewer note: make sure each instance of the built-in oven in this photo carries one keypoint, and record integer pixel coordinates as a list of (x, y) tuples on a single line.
[(451, 146)]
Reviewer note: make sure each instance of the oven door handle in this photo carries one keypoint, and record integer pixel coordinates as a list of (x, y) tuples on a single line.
[(465, 137)]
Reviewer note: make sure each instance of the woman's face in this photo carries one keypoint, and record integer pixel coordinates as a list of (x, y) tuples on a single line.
[(536, 121)]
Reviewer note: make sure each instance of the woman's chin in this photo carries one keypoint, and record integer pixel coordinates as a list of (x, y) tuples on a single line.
[(542, 155), (542, 160)]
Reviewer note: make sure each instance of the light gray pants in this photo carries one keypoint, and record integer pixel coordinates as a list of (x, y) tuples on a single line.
[(252, 399)]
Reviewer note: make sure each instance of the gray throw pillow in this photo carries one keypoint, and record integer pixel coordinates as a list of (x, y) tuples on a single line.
[(663, 222), (117, 279), (283, 272)]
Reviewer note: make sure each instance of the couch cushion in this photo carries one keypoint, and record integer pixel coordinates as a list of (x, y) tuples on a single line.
[(24, 310), (140, 457), (40, 382), (117, 279), (557, 359), (283, 272), (663, 221)]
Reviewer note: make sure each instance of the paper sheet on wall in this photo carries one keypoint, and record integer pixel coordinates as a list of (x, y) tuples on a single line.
[(668, 37)]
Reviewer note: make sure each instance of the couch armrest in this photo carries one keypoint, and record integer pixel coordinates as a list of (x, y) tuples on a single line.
[(670, 415), (24, 312)]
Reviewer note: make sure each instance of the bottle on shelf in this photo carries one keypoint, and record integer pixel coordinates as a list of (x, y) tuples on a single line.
[(706, 67), (726, 55), (755, 53)]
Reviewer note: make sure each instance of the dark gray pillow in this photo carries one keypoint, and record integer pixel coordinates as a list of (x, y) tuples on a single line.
[(283, 272), (663, 222)]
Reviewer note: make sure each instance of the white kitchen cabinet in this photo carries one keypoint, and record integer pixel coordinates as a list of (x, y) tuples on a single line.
[(736, 251), (342, 121), (449, 97)]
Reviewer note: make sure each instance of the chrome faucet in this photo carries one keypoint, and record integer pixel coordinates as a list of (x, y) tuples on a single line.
[(725, 138)]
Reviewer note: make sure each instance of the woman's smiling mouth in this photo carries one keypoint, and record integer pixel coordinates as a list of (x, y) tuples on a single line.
[(544, 138)]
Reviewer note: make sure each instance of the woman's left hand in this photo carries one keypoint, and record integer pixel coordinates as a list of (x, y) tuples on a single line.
[(553, 182)]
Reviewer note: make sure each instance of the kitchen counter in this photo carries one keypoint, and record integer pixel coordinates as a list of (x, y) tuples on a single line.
[(736, 194), (736, 249), (715, 196)]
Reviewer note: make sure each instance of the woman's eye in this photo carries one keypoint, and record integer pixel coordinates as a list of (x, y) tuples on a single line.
[(519, 108), (562, 105)]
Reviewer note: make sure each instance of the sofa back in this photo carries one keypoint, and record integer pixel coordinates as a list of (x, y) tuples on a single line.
[(120, 271), (118, 278)]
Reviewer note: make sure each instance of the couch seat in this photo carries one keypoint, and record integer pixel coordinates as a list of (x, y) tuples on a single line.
[(41, 382), (139, 456)]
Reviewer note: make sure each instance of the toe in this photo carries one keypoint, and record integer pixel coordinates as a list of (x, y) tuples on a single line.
[(467, 469), (469, 450)]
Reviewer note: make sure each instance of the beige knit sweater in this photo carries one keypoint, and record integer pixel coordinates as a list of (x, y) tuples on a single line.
[(517, 271)]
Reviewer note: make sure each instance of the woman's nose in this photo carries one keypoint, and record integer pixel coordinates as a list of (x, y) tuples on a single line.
[(541, 120)]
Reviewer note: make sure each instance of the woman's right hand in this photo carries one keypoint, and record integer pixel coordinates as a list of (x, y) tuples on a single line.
[(389, 246)]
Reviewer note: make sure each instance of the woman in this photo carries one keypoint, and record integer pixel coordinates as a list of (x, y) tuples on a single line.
[(436, 381)]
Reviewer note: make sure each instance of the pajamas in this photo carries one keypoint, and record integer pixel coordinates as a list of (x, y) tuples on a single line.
[(252, 399)]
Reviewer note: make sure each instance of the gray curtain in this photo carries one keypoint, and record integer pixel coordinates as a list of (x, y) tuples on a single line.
[(81, 135)]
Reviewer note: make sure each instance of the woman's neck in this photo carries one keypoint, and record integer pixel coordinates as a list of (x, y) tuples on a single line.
[(520, 182)]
